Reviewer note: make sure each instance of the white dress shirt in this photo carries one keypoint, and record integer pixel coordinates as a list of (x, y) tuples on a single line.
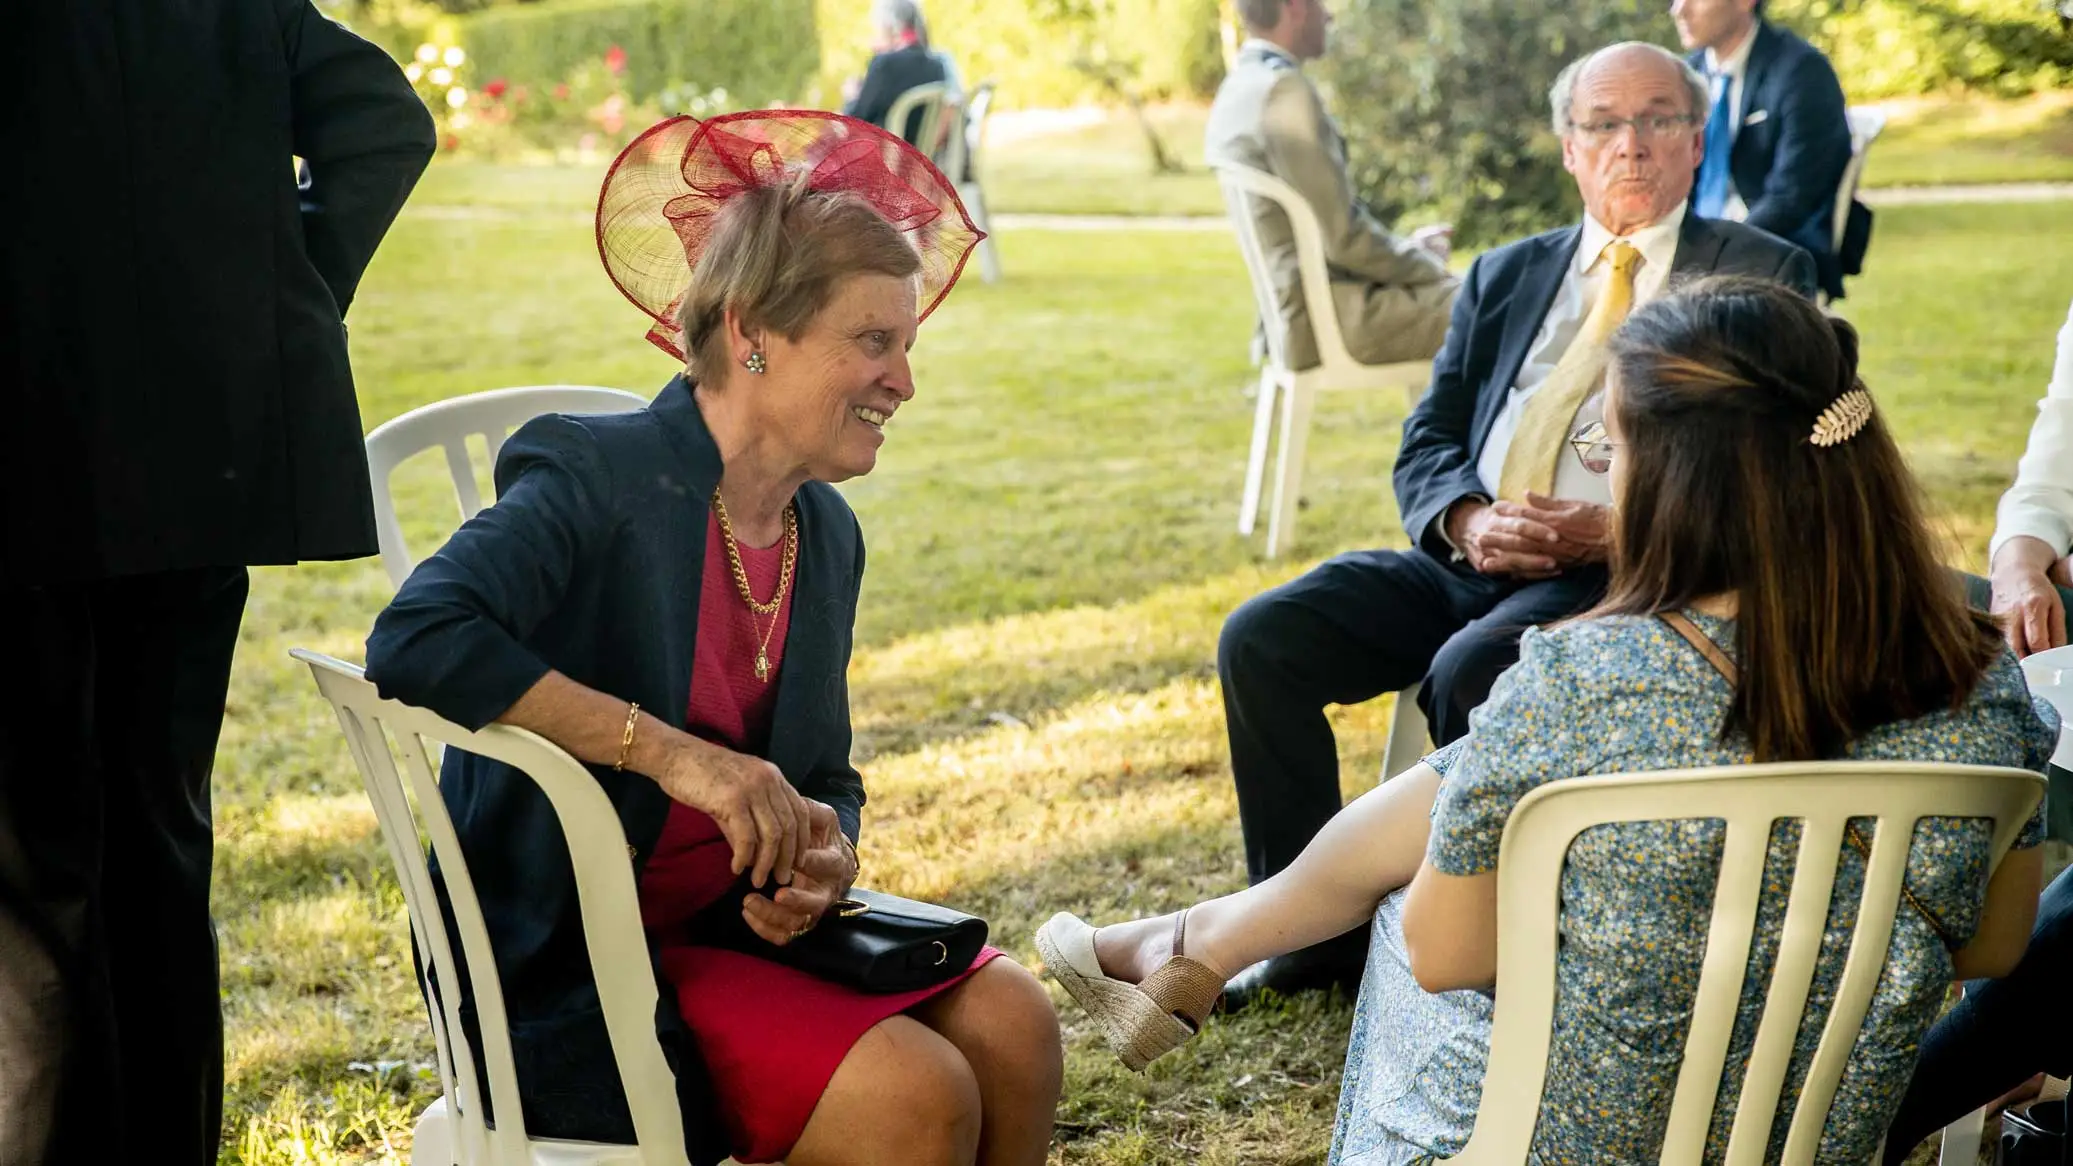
[(1732, 72), (1573, 302), (2040, 504)]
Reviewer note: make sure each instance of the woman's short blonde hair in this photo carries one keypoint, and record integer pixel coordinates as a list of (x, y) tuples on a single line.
[(775, 256)]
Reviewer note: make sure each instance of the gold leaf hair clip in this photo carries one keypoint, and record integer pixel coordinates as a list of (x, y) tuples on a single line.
[(1840, 421)]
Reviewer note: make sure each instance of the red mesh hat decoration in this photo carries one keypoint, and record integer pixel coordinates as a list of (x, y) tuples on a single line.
[(661, 196)]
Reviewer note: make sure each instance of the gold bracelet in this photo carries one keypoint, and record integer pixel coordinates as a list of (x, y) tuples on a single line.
[(633, 721)]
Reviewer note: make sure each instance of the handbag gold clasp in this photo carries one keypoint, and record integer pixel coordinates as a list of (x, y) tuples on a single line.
[(944, 957), (850, 908)]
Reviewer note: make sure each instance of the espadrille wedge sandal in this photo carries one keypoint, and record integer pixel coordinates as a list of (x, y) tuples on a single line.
[(1141, 1022)]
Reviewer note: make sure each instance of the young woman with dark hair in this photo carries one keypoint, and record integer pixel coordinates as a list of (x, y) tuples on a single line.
[(1765, 518)]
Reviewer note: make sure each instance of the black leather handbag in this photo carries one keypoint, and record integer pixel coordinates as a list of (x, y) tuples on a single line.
[(871, 941), (2035, 1135)]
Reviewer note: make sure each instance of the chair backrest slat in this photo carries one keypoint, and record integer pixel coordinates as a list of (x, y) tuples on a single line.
[(604, 889), (448, 425), (1883, 878), (1747, 799), (1785, 999), (1729, 936)]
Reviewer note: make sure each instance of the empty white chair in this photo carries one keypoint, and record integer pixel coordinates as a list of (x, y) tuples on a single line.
[(960, 159), (448, 425), (1748, 799), (451, 1131), (1296, 391)]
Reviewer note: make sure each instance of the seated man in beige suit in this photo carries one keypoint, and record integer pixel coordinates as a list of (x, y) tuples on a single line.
[(1392, 294)]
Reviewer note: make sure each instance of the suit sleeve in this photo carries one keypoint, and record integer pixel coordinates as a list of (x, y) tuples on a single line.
[(836, 781), (1300, 151), (1435, 467), (1813, 149), (875, 96), (1797, 272), (454, 638), (365, 136)]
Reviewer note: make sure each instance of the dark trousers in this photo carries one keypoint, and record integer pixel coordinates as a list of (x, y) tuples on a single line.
[(1357, 626), (2001, 1034), (111, 1033)]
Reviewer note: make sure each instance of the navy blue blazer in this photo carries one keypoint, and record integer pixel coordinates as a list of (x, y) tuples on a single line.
[(1496, 315), (590, 563), (1787, 163)]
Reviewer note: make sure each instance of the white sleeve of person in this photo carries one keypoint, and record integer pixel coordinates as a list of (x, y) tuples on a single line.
[(2040, 504)]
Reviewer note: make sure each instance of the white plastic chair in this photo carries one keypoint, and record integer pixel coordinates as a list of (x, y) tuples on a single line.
[(1866, 124), (2050, 674), (448, 425), (961, 157), (1296, 391), (452, 1130), (1748, 799), (1410, 735), (932, 99)]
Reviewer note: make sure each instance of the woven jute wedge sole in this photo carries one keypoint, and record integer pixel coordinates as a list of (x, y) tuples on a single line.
[(1140, 1022)]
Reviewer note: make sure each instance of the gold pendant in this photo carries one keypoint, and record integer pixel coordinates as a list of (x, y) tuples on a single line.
[(762, 666)]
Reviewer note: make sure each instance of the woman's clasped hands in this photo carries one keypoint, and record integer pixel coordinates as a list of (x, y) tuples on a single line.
[(775, 833)]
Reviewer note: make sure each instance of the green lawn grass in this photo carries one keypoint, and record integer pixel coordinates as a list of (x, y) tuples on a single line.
[(1105, 167), (1942, 141), (1053, 549)]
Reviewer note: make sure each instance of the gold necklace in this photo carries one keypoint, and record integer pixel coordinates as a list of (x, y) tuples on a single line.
[(741, 580)]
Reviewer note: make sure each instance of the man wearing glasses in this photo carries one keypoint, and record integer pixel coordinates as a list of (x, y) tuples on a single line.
[(1507, 522)]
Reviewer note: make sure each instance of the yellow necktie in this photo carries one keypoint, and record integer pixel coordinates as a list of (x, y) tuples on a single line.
[(1550, 413)]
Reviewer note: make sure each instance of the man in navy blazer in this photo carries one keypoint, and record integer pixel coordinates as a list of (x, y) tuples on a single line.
[(1777, 134), (1487, 558)]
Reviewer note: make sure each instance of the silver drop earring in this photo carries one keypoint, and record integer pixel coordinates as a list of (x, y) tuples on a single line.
[(755, 363)]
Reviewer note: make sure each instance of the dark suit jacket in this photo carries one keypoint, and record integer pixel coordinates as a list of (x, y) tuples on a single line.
[(890, 75), (590, 564), (1500, 308), (172, 332), (1786, 164)]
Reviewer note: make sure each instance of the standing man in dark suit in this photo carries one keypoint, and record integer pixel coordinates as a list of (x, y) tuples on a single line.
[(179, 407), (1777, 134), (1507, 528)]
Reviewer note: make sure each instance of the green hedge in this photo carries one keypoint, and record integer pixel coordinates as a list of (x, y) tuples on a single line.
[(1033, 48), (1444, 104), (1888, 48), (760, 51)]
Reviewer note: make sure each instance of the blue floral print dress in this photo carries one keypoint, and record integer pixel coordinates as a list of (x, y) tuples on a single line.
[(1624, 694)]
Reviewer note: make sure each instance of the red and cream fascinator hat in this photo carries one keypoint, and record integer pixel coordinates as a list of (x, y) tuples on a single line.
[(664, 191)]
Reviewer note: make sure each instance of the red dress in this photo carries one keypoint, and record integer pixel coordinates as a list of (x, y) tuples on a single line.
[(771, 1036)]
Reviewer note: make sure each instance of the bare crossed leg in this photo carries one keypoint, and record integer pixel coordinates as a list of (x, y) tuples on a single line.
[(1367, 850)]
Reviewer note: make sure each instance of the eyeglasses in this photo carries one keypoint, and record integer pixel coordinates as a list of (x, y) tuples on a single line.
[(1648, 125), (1594, 448)]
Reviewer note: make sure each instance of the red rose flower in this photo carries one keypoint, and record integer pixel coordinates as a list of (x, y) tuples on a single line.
[(615, 60), (452, 141), (496, 87)]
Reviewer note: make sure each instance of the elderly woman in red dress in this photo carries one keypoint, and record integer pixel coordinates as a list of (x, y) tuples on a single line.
[(669, 595)]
